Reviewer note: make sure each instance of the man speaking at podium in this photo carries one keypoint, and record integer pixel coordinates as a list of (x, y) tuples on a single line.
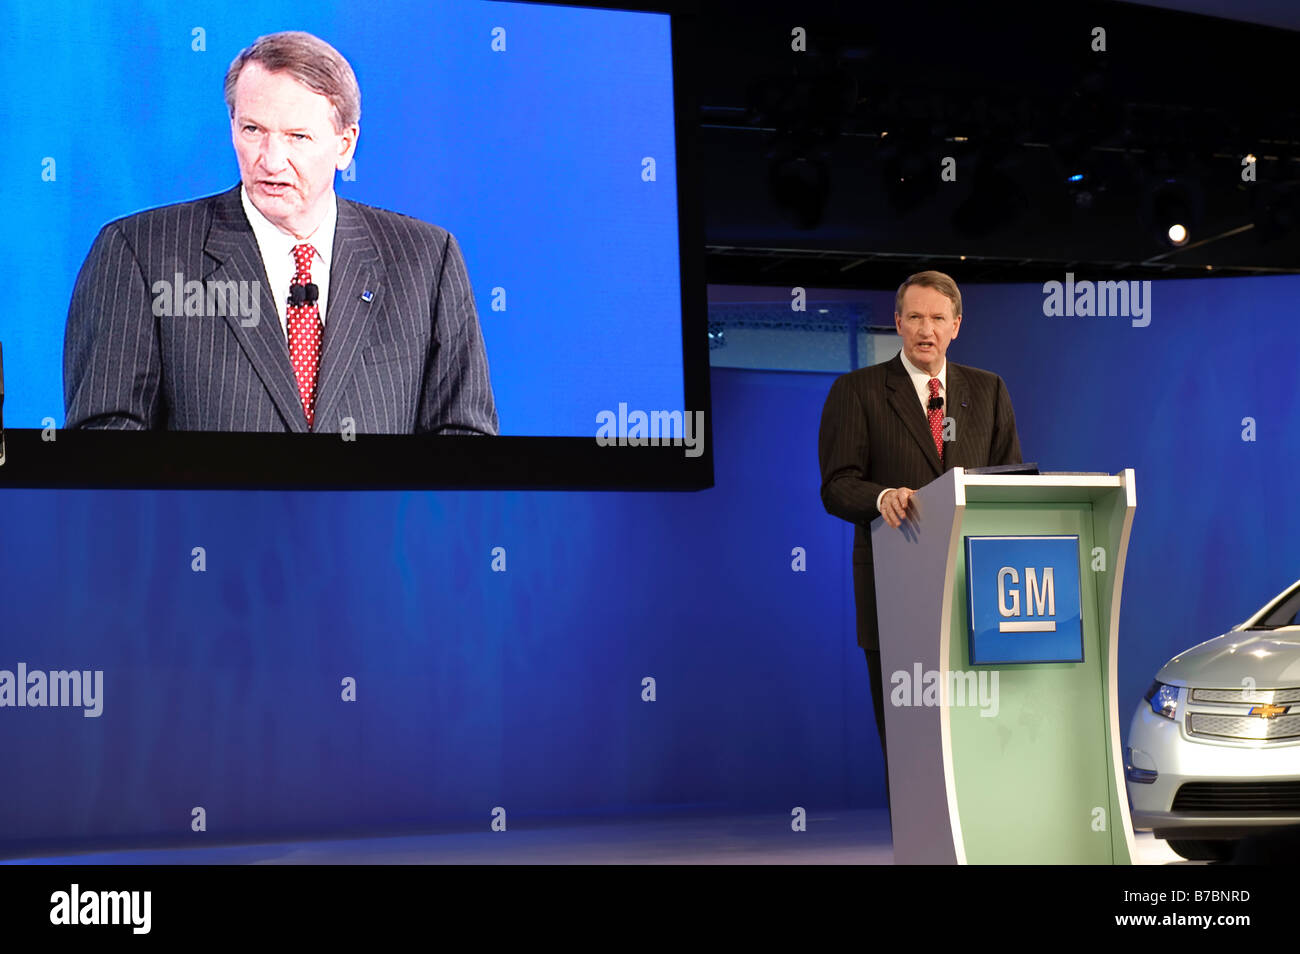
[(890, 429)]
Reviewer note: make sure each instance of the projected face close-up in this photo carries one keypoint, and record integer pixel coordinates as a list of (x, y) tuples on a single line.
[(287, 146)]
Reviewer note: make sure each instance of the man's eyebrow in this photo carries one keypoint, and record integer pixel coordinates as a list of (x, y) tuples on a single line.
[(250, 121)]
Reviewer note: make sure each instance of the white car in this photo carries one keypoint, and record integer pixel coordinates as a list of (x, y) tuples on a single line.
[(1214, 748)]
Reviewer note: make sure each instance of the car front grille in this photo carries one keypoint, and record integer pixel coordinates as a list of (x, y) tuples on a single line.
[(1247, 696), (1241, 725), (1238, 798), (1244, 726)]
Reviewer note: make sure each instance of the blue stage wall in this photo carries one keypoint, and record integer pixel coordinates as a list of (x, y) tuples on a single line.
[(522, 689), (476, 689)]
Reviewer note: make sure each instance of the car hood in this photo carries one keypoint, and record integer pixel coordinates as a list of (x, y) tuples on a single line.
[(1270, 657)]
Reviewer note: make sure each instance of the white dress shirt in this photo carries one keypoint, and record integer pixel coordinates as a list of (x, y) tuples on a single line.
[(277, 247), (921, 381)]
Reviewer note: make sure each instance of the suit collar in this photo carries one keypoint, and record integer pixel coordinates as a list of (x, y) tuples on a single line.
[(356, 268), (957, 408), (234, 256), (913, 372), (895, 374), (958, 390), (903, 400)]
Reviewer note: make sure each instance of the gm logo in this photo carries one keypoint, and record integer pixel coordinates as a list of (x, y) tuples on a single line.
[(1043, 598), (1023, 597)]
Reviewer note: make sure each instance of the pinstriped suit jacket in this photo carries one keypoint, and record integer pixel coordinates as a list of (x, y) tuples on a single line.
[(409, 360), (875, 434)]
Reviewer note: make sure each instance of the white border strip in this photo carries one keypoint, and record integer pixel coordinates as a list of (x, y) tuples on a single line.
[(945, 643), (1127, 481)]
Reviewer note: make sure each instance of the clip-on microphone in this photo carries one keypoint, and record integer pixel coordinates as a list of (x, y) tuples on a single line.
[(301, 294)]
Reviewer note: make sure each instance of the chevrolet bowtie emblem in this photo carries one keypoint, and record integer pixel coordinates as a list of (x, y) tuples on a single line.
[(1268, 711)]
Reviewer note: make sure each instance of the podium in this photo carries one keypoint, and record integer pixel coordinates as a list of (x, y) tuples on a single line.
[(1005, 748)]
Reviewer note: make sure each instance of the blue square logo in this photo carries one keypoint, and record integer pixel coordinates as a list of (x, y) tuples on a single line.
[(1023, 597)]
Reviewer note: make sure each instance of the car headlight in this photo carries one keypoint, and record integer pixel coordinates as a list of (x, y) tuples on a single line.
[(1163, 699)]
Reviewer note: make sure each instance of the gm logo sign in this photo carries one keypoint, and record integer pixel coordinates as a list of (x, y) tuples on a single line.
[(1023, 595)]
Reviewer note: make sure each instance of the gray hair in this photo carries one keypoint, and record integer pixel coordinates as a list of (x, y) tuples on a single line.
[(940, 282), (309, 60)]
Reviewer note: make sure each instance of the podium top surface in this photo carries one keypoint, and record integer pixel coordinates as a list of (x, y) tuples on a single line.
[(1034, 488)]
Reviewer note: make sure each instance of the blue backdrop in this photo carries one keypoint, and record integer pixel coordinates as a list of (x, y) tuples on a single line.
[(475, 689), (531, 156), (523, 688)]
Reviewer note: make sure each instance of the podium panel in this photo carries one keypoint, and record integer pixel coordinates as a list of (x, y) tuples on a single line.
[(1007, 762)]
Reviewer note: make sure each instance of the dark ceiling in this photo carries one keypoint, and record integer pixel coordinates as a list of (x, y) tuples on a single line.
[(824, 167)]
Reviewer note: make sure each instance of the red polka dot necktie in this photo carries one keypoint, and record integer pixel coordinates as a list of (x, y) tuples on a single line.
[(304, 335), (936, 418)]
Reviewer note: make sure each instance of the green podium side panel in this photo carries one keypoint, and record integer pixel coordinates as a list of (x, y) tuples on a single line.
[(1034, 783)]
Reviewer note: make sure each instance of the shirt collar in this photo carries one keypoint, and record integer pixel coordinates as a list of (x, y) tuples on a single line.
[(271, 240), (921, 378)]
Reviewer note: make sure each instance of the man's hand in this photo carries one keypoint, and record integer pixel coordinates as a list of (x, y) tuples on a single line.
[(896, 506)]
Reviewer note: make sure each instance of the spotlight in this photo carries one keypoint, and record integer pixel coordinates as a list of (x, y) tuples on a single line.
[(1079, 188), (1172, 210), (1084, 183)]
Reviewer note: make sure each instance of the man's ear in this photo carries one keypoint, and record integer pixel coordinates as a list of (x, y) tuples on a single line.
[(347, 146), (956, 327)]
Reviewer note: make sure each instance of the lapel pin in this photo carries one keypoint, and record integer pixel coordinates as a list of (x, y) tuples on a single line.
[(367, 295)]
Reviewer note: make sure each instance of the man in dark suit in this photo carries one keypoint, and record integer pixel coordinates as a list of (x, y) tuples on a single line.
[(277, 306), (889, 429)]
